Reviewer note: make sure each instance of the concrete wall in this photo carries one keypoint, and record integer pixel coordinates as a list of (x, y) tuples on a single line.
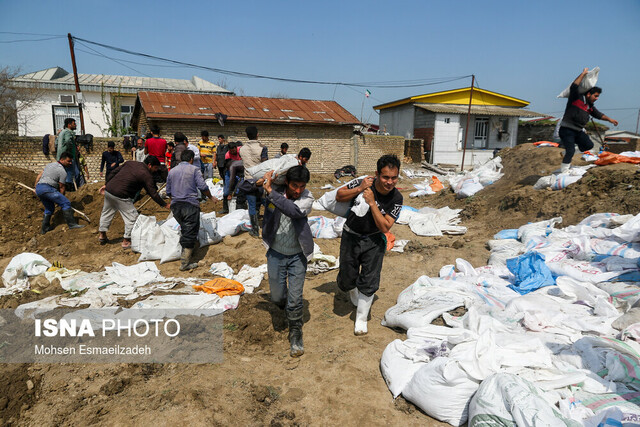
[(38, 118), (398, 120), (26, 153)]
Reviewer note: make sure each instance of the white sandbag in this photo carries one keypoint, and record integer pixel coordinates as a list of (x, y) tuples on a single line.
[(506, 399), (208, 233), (217, 189), (631, 317), (152, 243), (23, 266), (134, 275), (541, 228), (280, 165), (171, 248), (328, 201), (608, 220), (325, 228), (250, 277), (360, 207), (221, 269), (503, 249), (139, 231), (442, 390), (398, 368), (588, 81), (230, 224)]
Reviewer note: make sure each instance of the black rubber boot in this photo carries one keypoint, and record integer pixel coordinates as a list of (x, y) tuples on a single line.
[(225, 207), (185, 260), (255, 229), (295, 333), (70, 220), (46, 224)]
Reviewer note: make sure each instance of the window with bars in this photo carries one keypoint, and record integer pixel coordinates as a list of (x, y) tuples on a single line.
[(61, 112)]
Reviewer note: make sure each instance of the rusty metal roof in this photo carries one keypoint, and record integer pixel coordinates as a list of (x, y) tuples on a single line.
[(167, 105), (486, 110)]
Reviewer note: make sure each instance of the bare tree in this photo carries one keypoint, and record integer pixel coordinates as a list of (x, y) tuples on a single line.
[(16, 103)]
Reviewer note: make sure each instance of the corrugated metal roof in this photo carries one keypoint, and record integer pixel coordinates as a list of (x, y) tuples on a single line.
[(59, 78), (166, 105), (486, 110)]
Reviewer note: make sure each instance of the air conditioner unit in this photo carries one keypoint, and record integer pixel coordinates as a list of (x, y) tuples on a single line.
[(66, 99)]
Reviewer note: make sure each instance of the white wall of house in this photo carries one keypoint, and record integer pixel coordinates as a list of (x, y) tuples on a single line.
[(38, 119), (398, 120)]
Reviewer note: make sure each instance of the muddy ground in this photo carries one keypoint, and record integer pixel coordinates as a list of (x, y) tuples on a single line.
[(338, 380)]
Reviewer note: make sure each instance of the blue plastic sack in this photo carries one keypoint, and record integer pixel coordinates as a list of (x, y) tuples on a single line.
[(531, 272), (510, 233)]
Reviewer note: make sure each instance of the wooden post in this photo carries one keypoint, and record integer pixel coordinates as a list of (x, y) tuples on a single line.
[(75, 78), (466, 132)]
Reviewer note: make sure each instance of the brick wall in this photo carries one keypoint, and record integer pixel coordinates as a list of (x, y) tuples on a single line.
[(331, 146), (414, 149), (371, 147), (425, 134), (26, 153)]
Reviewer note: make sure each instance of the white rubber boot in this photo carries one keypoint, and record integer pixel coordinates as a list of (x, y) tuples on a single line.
[(353, 296), (564, 167), (362, 313)]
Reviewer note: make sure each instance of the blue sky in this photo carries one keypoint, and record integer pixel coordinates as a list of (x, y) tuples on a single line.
[(527, 49)]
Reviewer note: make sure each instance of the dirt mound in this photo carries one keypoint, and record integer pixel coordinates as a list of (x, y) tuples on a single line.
[(512, 201)]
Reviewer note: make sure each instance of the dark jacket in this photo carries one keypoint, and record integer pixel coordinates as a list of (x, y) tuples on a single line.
[(126, 180), (177, 153), (577, 112), (297, 210), (220, 152)]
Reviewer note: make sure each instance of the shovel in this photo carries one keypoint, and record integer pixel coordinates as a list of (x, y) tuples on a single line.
[(82, 214)]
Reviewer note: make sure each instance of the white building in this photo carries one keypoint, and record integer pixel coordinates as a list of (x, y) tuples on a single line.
[(440, 120), (101, 95)]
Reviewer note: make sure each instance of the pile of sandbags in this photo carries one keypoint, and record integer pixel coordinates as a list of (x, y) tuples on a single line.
[(549, 337)]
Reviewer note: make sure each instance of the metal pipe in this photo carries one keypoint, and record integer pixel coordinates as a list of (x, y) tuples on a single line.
[(75, 78), (466, 131)]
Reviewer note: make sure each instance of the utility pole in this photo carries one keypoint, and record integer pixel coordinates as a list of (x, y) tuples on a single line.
[(466, 131), (638, 121), (75, 78)]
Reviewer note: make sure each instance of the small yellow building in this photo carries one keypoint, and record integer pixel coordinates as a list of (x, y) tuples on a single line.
[(440, 120)]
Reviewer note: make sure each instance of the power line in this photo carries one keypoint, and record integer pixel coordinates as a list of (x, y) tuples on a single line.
[(32, 34), (31, 40), (390, 84)]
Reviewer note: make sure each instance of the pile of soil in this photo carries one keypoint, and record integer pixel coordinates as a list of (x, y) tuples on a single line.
[(258, 383)]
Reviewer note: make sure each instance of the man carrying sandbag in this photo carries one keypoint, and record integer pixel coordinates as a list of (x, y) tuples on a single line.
[(576, 116), (122, 185), (363, 241), (287, 234), (183, 183)]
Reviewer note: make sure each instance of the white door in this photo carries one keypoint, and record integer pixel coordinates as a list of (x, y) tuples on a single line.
[(481, 133)]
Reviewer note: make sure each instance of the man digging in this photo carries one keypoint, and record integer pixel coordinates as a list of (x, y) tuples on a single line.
[(121, 187)]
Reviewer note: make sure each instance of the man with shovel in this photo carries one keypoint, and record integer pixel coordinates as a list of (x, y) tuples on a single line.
[(50, 189), (122, 185)]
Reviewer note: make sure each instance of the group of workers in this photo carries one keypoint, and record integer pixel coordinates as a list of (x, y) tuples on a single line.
[(285, 229)]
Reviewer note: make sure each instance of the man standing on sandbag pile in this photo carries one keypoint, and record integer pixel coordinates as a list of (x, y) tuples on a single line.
[(576, 116), (183, 184), (122, 185), (287, 234), (363, 241), (50, 189)]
